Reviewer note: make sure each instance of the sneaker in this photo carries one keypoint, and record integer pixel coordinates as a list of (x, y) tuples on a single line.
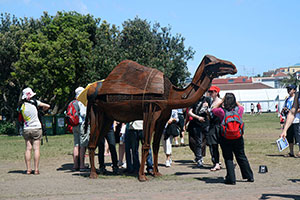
[(199, 163), (168, 164), (102, 170), (124, 165)]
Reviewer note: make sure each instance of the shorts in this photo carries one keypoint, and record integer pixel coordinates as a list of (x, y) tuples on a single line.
[(292, 133), (33, 134), (80, 138)]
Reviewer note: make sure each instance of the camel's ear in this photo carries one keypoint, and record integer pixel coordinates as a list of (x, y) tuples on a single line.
[(209, 58)]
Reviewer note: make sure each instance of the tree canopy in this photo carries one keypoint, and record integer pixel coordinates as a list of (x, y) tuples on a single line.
[(56, 54)]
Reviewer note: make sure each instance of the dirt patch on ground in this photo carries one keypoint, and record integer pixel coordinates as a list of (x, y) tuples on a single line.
[(182, 180)]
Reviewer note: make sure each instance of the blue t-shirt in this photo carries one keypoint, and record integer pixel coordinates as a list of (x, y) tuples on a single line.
[(289, 102)]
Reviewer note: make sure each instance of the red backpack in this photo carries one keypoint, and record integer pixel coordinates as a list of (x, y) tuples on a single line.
[(72, 117), (232, 126)]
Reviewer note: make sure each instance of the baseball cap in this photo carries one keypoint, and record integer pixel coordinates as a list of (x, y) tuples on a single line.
[(291, 86), (214, 88)]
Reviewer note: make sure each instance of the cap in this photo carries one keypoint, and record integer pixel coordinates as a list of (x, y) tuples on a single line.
[(291, 86), (78, 91), (214, 88), (27, 93)]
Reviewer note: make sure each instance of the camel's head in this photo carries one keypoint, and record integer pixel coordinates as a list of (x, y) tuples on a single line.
[(215, 67)]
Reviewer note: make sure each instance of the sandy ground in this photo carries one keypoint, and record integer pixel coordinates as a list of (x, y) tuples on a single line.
[(182, 181)]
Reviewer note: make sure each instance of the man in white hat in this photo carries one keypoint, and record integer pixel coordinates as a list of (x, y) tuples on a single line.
[(32, 128), (80, 138)]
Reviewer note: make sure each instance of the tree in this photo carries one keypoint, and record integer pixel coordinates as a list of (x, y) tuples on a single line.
[(291, 79), (156, 47), (53, 60)]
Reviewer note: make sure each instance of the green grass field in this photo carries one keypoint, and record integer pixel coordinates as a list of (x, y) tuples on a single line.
[(260, 134)]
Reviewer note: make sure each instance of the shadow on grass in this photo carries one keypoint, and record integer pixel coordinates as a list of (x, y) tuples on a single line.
[(211, 180), (290, 196), (294, 180), (188, 173), (17, 172), (275, 155)]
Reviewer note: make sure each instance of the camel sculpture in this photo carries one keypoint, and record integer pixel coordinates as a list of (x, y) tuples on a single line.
[(134, 92)]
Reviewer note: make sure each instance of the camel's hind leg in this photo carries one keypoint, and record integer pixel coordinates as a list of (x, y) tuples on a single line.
[(150, 116), (100, 125)]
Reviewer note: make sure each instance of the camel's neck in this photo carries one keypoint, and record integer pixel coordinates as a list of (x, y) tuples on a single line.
[(188, 96)]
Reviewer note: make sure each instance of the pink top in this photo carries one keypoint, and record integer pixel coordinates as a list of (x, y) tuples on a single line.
[(219, 112)]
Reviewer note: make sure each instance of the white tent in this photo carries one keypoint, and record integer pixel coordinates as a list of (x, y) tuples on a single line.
[(268, 98)]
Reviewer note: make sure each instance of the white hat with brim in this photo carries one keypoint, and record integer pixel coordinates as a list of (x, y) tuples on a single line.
[(78, 91), (27, 93)]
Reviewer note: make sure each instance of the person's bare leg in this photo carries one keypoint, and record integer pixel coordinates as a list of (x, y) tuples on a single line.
[(81, 157), (121, 152), (28, 155), (107, 153), (36, 149), (75, 157)]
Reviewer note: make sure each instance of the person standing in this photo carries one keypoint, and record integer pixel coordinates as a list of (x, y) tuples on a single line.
[(133, 135), (167, 136), (81, 139), (212, 137), (199, 127), (32, 128), (258, 106), (180, 123), (110, 138), (252, 109), (233, 146), (293, 129)]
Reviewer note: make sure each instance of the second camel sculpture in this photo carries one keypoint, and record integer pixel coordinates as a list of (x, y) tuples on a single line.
[(134, 92)]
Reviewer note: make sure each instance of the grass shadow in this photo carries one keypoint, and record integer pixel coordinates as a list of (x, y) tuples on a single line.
[(188, 173), (17, 172), (275, 155), (290, 196), (217, 180), (65, 167), (294, 180)]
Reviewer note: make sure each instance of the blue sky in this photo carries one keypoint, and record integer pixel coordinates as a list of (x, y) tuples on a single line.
[(256, 35)]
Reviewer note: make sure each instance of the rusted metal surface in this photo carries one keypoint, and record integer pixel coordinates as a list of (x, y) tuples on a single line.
[(130, 77), (134, 92)]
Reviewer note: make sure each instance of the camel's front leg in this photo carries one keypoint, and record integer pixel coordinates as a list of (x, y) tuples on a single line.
[(150, 117)]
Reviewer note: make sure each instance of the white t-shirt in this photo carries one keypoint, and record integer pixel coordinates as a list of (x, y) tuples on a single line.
[(30, 115)]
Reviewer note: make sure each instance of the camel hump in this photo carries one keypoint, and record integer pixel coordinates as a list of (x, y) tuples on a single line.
[(130, 77)]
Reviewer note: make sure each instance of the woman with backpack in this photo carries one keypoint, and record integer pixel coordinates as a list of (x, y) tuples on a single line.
[(32, 128), (230, 113)]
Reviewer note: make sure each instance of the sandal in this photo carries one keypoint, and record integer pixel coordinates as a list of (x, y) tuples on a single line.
[(36, 172), (215, 169), (28, 172)]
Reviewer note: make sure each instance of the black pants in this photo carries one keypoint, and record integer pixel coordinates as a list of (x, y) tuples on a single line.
[(110, 137), (197, 141), (214, 152), (237, 147)]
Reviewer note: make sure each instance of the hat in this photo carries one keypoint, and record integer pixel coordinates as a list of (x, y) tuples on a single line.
[(291, 86), (27, 93), (214, 88), (78, 91)]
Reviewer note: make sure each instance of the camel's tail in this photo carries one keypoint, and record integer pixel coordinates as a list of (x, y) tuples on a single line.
[(90, 102)]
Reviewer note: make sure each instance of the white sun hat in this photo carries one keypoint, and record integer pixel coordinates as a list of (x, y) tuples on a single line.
[(27, 93), (78, 91)]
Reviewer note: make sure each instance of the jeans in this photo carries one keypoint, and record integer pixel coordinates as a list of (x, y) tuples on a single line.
[(132, 138), (110, 137)]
